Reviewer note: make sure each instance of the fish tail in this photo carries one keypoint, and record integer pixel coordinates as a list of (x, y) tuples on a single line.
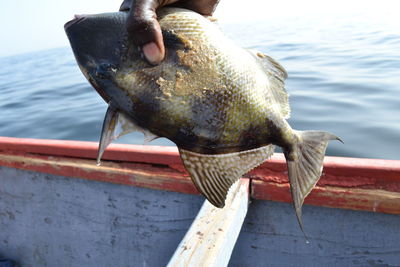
[(305, 161)]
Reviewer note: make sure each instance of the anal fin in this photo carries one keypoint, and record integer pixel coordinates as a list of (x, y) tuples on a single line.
[(213, 175)]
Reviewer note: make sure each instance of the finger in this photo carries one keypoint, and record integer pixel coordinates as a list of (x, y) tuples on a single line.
[(126, 5), (204, 7), (144, 30)]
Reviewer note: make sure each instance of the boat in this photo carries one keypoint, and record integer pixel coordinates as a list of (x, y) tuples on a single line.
[(140, 208)]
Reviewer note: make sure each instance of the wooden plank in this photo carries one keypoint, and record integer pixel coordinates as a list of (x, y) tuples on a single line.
[(133, 174), (348, 183), (88, 150), (70, 222), (375, 200), (53, 221), (213, 234), (339, 172), (344, 180)]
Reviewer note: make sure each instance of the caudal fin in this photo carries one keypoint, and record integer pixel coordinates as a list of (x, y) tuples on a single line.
[(305, 162)]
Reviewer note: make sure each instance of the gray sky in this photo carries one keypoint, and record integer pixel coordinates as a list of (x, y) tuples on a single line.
[(29, 25)]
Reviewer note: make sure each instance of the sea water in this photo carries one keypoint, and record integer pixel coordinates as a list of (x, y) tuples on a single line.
[(344, 77)]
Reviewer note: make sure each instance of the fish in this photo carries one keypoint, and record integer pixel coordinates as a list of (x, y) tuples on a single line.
[(225, 107)]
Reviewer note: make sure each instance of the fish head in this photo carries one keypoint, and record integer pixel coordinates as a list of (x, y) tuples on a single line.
[(114, 65), (100, 45)]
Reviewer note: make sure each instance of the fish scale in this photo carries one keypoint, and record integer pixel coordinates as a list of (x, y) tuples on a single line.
[(224, 107)]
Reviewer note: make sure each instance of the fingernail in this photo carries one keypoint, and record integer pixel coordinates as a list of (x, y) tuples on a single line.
[(152, 53)]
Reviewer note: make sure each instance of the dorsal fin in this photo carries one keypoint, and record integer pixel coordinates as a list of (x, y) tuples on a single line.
[(277, 75), (115, 125), (213, 175)]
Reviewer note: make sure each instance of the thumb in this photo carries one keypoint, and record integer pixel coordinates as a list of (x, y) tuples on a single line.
[(144, 29)]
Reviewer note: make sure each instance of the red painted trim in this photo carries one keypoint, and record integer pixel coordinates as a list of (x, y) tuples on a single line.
[(366, 184), (335, 197), (88, 150), (127, 173)]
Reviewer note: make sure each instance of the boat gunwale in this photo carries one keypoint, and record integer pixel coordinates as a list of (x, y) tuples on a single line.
[(349, 183)]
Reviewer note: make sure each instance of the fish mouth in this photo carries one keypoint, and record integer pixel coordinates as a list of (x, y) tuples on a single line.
[(97, 43), (75, 20)]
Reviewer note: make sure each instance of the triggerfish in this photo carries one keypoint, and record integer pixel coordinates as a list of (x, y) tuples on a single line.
[(224, 107)]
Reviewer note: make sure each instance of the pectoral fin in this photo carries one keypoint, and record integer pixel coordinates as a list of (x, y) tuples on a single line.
[(115, 125), (213, 175)]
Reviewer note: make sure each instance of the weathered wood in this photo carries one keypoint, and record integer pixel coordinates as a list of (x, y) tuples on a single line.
[(375, 200), (50, 220), (271, 237), (350, 183), (128, 173), (88, 150), (212, 235)]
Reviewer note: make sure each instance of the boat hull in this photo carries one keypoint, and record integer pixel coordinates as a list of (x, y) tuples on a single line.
[(57, 208)]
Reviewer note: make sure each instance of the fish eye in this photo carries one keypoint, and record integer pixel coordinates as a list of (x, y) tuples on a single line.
[(105, 71)]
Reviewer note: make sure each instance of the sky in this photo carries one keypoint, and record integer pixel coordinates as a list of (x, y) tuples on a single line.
[(28, 25)]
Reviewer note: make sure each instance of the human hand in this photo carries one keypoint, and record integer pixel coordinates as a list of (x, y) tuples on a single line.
[(143, 28)]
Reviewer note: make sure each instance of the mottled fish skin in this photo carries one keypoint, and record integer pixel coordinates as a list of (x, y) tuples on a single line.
[(208, 96), (223, 106)]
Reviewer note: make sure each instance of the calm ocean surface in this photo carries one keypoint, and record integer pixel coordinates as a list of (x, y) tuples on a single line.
[(344, 77)]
